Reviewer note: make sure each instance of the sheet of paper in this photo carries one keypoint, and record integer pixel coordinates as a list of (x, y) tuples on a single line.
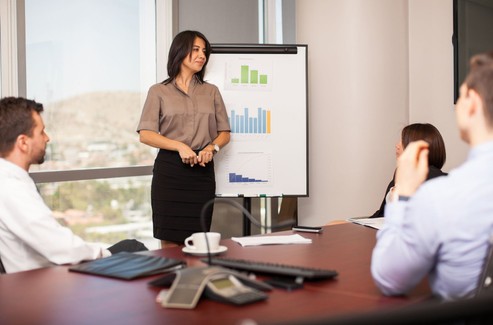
[(376, 223), (271, 240)]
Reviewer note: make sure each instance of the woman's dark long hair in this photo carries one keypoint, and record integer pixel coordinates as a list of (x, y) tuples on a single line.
[(181, 47), (429, 133)]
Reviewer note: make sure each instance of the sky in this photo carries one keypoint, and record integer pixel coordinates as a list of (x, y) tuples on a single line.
[(77, 46)]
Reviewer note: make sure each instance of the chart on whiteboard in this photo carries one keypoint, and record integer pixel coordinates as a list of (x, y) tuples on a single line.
[(250, 167), (248, 74), (266, 101)]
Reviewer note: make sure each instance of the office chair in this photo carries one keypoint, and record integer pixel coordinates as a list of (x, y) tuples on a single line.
[(486, 280), (473, 311), (2, 269)]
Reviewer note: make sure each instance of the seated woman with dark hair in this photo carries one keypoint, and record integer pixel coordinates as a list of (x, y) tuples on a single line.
[(436, 157)]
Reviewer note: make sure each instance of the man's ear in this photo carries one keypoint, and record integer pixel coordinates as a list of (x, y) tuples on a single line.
[(476, 103), (22, 143)]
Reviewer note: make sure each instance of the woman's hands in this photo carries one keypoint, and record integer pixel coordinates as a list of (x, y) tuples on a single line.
[(189, 157), (206, 155)]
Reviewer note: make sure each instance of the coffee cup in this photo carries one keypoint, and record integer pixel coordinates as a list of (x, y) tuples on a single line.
[(197, 241)]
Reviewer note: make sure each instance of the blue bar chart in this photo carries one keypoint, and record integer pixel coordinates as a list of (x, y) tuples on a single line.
[(246, 124), (248, 168), (239, 178)]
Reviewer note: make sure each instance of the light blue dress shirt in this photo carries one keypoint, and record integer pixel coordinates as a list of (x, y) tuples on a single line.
[(443, 231)]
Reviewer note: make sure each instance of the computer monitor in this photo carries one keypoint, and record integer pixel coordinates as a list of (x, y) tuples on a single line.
[(473, 26)]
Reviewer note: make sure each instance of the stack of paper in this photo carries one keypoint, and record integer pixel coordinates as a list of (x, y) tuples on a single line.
[(271, 240), (376, 223)]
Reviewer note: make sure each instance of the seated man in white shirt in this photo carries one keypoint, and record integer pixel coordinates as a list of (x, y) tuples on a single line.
[(30, 237), (441, 228)]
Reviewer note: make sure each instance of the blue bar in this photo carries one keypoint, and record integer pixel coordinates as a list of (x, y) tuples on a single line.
[(250, 125), (232, 121), (260, 119), (255, 125), (264, 121), (246, 120), (242, 124)]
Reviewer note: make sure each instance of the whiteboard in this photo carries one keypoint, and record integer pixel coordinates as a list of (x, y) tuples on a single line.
[(264, 88)]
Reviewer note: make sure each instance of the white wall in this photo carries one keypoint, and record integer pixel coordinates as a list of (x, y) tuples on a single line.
[(374, 67), (431, 74), (358, 102)]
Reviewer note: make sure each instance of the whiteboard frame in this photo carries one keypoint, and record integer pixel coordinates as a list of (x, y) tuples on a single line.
[(285, 49)]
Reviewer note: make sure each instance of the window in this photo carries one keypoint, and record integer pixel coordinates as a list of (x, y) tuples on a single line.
[(103, 210), (92, 76)]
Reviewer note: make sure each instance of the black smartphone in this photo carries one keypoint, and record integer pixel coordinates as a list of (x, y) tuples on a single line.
[(288, 284), (307, 229)]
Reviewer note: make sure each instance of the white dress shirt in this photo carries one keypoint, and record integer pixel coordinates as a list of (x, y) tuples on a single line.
[(30, 237), (443, 231)]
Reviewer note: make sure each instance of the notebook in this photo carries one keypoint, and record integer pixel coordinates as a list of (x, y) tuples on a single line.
[(128, 266), (376, 223)]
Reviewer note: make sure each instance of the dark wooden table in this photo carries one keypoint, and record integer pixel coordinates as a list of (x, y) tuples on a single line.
[(55, 296)]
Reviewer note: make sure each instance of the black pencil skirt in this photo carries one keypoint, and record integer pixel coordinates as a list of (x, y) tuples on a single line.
[(178, 193)]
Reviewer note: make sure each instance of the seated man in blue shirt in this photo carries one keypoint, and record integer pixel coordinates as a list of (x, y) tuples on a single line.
[(441, 228)]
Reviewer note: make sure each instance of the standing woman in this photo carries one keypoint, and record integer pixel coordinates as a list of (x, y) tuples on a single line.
[(185, 118)]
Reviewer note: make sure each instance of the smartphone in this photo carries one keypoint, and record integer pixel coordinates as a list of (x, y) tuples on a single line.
[(307, 229), (288, 284)]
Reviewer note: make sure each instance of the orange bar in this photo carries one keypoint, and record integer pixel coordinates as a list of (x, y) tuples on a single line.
[(268, 121)]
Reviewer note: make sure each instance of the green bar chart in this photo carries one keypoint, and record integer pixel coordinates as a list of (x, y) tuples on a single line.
[(249, 76)]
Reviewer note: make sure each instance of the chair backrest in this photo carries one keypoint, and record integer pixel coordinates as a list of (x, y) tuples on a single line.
[(486, 279), (471, 311), (2, 269)]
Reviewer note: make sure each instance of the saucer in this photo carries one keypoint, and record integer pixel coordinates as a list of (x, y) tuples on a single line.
[(192, 251)]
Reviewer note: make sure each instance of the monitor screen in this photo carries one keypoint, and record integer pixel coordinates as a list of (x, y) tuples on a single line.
[(473, 34)]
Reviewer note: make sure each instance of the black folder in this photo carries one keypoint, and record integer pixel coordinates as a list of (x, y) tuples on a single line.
[(128, 266)]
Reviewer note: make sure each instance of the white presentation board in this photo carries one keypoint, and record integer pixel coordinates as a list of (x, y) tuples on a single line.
[(265, 91)]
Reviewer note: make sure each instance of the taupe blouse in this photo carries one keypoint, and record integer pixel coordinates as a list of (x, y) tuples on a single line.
[(194, 118)]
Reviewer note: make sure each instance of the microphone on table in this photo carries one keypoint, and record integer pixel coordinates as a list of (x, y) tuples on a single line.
[(245, 212)]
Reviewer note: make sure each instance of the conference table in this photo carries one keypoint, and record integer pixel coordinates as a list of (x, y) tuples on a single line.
[(55, 296)]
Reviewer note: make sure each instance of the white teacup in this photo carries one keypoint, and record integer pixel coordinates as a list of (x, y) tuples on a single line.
[(199, 242)]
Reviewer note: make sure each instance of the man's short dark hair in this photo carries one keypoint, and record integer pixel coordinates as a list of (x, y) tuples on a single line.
[(16, 118), (480, 79)]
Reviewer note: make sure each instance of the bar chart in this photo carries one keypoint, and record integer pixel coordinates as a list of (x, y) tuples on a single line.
[(247, 168), (250, 76), (239, 178), (242, 122)]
